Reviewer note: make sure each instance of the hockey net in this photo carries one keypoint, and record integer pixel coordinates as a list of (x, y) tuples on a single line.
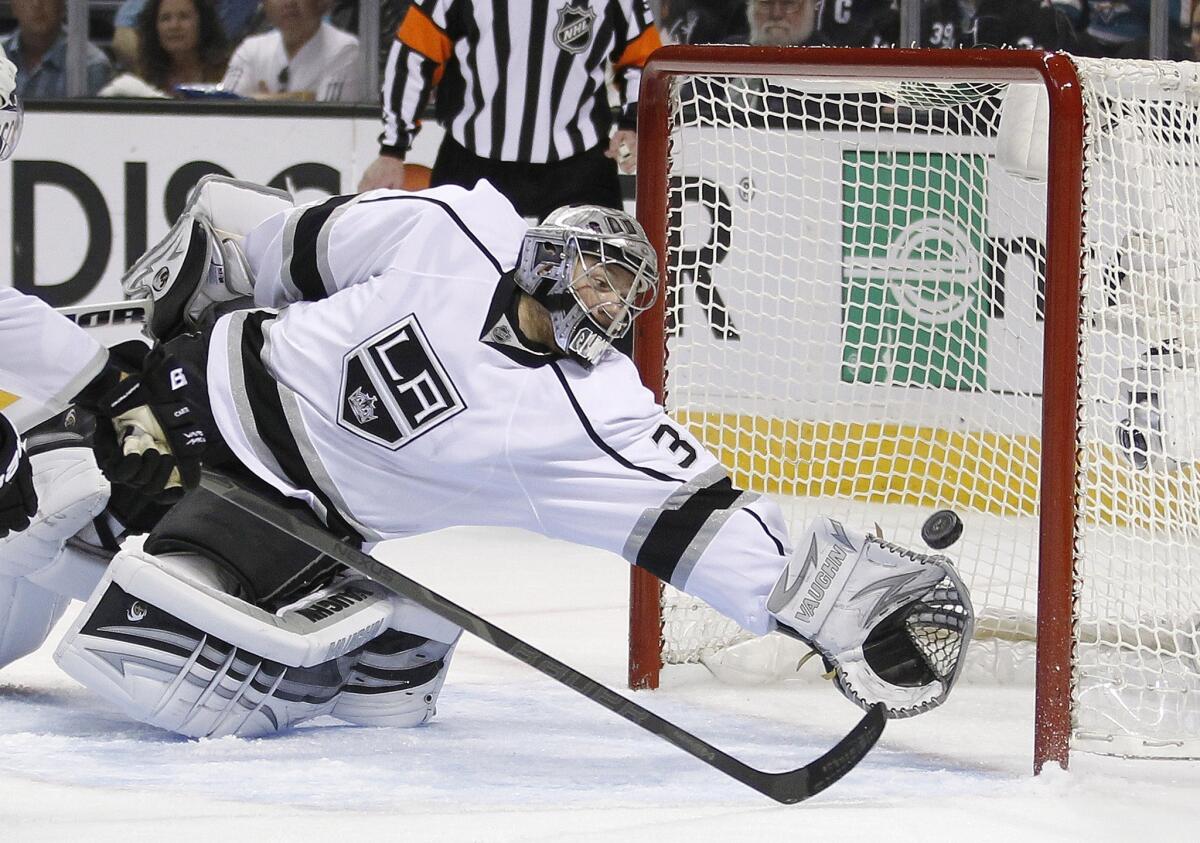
[(867, 316)]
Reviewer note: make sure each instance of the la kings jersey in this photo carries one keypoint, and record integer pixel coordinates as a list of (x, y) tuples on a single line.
[(389, 388)]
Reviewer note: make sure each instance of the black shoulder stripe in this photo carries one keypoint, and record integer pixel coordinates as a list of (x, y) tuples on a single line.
[(595, 437), (304, 269), (450, 212), (674, 530)]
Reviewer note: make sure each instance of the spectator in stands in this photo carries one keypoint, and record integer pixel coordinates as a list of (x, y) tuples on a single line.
[(1194, 31), (38, 47), (181, 42), (1028, 24), (1113, 29), (540, 134), (781, 23), (702, 22), (303, 58), (237, 17), (876, 23), (857, 23)]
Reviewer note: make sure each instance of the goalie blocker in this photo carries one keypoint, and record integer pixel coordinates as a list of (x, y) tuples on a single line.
[(892, 624)]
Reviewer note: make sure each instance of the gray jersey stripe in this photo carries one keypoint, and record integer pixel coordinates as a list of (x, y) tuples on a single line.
[(241, 399), (289, 248)]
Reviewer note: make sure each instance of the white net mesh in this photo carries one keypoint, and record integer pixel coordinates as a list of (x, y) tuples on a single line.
[(855, 326)]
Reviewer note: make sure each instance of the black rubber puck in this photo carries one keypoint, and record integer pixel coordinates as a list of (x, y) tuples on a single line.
[(941, 529)]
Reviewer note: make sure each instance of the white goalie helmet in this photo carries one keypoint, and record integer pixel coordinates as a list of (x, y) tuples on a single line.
[(594, 270)]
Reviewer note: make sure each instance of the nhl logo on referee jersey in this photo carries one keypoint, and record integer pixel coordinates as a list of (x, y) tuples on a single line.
[(574, 30), (394, 388)]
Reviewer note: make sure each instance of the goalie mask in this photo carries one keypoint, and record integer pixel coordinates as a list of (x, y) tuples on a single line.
[(594, 270)]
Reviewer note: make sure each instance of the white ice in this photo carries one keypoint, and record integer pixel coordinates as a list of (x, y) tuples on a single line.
[(513, 756)]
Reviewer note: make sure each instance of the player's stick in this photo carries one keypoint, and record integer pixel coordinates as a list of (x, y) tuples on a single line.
[(787, 787)]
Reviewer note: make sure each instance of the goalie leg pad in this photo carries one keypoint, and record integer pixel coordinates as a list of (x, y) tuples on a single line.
[(27, 614), (280, 570), (396, 681), (892, 623), (71, 492), (162, 640)]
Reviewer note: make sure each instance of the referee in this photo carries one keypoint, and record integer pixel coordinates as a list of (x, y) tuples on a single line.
[(521, 92)]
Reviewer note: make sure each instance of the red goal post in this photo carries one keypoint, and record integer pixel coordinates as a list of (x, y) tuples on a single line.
[(1062, 343)]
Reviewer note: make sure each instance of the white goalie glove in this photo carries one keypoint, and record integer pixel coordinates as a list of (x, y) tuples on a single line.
[(164, 640), (892, 624), (54, 559)]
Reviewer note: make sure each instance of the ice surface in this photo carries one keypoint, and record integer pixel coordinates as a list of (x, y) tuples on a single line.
[(513, 756)]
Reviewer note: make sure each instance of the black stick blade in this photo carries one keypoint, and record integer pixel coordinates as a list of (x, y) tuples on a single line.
[(817, 775)]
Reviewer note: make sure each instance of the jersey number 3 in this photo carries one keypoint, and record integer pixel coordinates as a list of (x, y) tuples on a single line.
[(669, 438)]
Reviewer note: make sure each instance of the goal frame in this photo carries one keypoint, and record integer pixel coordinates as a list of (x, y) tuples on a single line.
[(1059, 482)]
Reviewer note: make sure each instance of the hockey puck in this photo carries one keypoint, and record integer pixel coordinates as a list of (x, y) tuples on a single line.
[(941, 529)]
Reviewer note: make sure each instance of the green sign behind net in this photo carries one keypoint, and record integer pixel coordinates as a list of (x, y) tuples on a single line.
[(913, 226)]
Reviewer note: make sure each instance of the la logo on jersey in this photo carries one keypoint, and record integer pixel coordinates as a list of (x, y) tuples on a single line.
[(573, 32), (394, 388)]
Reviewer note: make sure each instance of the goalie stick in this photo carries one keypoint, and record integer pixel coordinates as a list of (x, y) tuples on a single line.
[(786, 787)]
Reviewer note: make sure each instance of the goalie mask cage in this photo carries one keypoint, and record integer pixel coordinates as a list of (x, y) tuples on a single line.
[(879, 302)]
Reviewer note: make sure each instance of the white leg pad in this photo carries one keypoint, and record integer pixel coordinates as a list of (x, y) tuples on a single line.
[(27, 614), (71, 492), (396, 682), (160, 639)]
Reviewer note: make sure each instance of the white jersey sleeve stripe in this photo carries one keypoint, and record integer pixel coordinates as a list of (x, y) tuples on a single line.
[(292, 293), (240, 395), (324, 268)]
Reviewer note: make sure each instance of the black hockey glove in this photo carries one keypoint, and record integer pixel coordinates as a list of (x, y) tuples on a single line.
[(18, 500), (161, 426)]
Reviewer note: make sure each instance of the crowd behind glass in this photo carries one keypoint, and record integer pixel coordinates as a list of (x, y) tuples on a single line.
[(230, 48)]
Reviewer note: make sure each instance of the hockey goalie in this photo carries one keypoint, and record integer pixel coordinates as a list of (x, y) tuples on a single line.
[(391, 364)]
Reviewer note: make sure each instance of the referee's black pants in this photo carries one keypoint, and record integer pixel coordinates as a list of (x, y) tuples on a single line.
[(534, 189)]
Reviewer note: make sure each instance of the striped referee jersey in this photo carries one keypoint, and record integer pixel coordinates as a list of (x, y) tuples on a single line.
[(520, 81)]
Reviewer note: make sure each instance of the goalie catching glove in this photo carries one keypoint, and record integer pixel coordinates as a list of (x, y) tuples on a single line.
[(892, 624)]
